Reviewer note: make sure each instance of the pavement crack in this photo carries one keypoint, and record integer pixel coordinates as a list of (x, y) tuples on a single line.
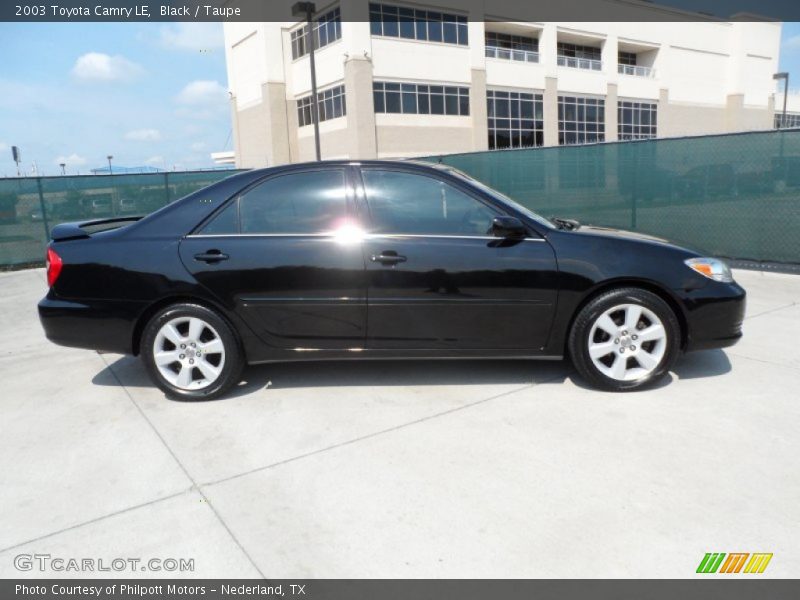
[(96, 520), (380, 432), (771, 310), (184, 469)]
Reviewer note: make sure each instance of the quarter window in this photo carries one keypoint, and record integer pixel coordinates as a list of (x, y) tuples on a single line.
[(296, 203), (406, 203)]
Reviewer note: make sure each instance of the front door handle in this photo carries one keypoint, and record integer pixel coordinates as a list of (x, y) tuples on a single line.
[(388, 257), (211, 256)]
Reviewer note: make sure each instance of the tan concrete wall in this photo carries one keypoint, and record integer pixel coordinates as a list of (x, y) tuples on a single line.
[(678, 119), (252, 137), (743, 118), (261, 132), (333, 143), (420, 141)]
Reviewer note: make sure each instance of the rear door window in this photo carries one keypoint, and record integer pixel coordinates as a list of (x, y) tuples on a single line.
[(307, 202)]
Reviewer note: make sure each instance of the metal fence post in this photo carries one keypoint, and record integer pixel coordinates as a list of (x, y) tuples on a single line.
[(166, 188), (44, 210)]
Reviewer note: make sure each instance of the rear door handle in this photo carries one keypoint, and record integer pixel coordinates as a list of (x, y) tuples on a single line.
[(211, 256), (388, 257)]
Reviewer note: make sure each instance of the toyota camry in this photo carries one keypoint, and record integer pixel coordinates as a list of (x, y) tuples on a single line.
[(377, 259)]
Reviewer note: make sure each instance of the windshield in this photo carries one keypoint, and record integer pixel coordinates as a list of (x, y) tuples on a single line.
[(502, 197)]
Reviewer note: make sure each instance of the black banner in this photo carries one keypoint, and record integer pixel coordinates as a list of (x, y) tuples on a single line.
[(714, 588), (354, 10)]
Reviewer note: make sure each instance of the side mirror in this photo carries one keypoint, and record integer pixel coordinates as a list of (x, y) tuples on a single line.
[(508, 227)]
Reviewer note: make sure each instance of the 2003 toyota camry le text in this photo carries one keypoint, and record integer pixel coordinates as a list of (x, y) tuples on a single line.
[(377, 259)]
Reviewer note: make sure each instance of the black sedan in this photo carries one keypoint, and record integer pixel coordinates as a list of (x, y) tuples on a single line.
[(377, 259)]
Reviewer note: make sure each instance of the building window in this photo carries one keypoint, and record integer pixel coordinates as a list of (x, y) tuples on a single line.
[(512, 47), (627, 58), (515, 119), (327, 29), (330, 103), (581, 120), (637, 120), (414, 24), (420, 99), (792, 120), (579, 57)]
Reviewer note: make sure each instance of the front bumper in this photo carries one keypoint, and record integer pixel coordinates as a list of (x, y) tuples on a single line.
[(715, 315), (96, 325)]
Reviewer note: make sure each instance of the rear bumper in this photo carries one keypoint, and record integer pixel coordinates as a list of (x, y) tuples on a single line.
[(715, 316), (96, 325)]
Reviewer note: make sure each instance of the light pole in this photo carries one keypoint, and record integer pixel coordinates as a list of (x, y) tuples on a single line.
[(109, 157), (63, 168), (300, 9), (785, 76)]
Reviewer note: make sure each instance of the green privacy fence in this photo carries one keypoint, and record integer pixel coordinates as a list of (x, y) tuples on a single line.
[(31, 206), (735, 196)]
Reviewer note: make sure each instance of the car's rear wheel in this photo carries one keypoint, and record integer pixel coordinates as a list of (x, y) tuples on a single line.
[(191, 353), (624, 339)]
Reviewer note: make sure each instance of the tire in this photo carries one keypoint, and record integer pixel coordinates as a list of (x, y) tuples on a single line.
[(208, 359), (614, 349)]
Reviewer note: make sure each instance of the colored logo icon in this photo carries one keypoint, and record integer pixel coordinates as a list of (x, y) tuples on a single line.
[(736, 562)]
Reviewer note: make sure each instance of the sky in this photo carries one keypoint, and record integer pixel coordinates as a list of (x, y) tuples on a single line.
[(146, 93)]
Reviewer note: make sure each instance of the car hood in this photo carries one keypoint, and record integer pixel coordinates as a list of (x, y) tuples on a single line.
[(610, 232)]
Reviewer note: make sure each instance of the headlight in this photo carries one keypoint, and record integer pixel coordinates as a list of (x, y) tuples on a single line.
[(713, 268)]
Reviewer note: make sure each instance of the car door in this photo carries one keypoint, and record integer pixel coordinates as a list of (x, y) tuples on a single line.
[(436, 277), (276, 254)]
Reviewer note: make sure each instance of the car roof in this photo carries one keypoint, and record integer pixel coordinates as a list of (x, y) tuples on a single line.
[(398, 162)]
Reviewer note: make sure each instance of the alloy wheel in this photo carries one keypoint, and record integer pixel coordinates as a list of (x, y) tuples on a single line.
[(189, 353), (627, 342)]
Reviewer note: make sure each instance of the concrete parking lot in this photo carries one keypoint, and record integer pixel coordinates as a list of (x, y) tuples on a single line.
[(404, 469)]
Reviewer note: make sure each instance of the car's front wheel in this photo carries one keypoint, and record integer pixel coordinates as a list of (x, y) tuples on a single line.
[(624, 339), (191, 353)]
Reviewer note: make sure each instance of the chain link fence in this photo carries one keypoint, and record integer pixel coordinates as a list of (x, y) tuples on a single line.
[(734, 196), (31, 206)]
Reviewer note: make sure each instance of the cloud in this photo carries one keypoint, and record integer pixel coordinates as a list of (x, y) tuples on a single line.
[(96, 66), (195, 37), (4, 147), (143, 135), (155, 160), (199, 146), (202, 93), (73, 160)]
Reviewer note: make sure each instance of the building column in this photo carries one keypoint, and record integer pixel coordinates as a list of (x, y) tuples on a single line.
[(273, 95), (362, 138), (550, 107), (478, 110), (611, 113), (734, 112), (237, 144), (663, 113)]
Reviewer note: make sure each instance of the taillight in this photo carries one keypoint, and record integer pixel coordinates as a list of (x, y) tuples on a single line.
[(54, 264)]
